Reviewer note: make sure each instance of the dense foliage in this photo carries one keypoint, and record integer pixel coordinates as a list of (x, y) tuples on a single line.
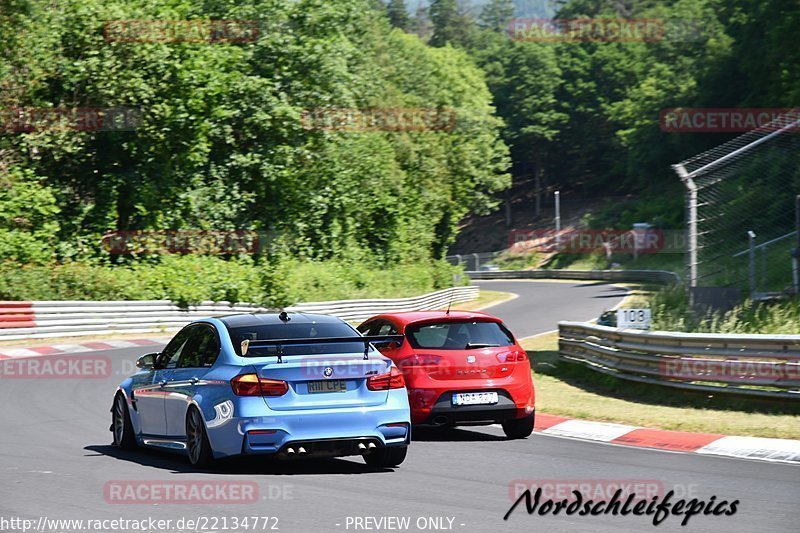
[(191, 279), (222, 142), (584, 116)]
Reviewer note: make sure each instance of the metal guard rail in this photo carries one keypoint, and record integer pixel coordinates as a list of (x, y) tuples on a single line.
[(43, 319), (753, 365), (650, 276)]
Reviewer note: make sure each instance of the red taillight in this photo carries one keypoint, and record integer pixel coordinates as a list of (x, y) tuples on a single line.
[(252, 385), (512, 357), (392, 380)]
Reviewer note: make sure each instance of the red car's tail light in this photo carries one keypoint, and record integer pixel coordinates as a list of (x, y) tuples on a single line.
[(512, 357), (252, 385), (392, 380)]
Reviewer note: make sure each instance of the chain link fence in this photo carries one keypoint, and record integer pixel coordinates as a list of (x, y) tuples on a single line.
[(741, 211)]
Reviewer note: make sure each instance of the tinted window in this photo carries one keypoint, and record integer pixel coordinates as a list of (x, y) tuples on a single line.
[(378, 327), (386, 329), (169, 357), (296, 330), (201, 350), (459, 335), (366, 327)]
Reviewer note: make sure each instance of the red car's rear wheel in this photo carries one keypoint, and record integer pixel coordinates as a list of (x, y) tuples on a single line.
[(520, 427)]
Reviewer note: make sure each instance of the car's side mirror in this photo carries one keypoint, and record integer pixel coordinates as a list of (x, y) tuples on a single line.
[(147, 361)]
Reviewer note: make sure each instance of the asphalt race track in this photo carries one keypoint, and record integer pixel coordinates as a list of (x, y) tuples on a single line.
[(541, 305), (56, 459)]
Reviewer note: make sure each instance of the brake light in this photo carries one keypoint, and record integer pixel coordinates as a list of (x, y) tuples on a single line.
[(392, 380), (512, 357), (252, 385)]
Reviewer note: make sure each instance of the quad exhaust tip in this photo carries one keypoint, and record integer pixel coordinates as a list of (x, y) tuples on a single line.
[(301, 451), (364, 448), (289, 451)]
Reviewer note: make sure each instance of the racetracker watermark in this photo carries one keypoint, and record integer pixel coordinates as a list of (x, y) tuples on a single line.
[(753, 372), (29, 119), (56, 367), (587, 241), (605, 30), (593, 497), (202, 242), (390, 119), (181, 492), (586, 30), (721, 120), (181, 31)]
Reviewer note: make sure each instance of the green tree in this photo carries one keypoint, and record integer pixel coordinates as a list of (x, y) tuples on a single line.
[(398, 15), (452, 24), (496, 14)]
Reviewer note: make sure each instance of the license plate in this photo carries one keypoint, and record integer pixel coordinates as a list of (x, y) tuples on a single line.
[(331, 385), (474, 398)]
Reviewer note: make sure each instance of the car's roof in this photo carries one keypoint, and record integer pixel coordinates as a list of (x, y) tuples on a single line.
[(258, 319), (411, 317)]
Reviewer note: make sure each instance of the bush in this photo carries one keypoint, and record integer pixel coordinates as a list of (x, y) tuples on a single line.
[(187, 280), (672, 312)]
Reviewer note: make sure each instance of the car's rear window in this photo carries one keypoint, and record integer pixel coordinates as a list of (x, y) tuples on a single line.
[(296, 330), (459, 335)]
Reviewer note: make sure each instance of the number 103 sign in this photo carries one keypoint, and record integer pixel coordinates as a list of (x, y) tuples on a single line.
[(633, 318)]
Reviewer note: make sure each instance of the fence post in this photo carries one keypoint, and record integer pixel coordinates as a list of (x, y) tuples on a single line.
[(751, 239), (691, 221), (558, 219), (477, 262), (796, 255)]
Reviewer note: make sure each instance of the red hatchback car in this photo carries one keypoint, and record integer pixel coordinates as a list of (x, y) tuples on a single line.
[(460, 368)]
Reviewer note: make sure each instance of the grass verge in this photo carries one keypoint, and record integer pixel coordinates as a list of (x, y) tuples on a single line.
[(571, 390)]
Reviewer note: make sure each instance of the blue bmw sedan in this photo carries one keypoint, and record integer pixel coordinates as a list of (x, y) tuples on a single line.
[(287, 385)]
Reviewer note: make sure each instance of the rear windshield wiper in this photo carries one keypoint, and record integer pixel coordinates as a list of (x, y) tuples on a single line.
[(475, 345)]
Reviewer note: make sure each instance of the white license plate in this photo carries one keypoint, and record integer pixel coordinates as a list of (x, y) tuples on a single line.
[(474, 398), (331, 385)]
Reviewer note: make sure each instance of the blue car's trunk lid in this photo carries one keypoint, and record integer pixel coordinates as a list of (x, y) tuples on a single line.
[(325, 382)]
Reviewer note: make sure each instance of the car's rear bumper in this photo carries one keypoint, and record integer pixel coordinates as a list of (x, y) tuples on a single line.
[(430, 398), (299, 449), (444, 412), (259, 430)]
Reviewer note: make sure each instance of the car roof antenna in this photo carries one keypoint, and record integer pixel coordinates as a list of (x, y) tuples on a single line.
[(284, 316), (450, 303)]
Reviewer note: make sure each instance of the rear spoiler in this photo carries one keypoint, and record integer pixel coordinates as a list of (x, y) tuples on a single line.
[(280, 343)]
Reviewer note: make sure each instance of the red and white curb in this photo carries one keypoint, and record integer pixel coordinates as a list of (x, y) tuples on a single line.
[(763, 449), (60, 349)]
